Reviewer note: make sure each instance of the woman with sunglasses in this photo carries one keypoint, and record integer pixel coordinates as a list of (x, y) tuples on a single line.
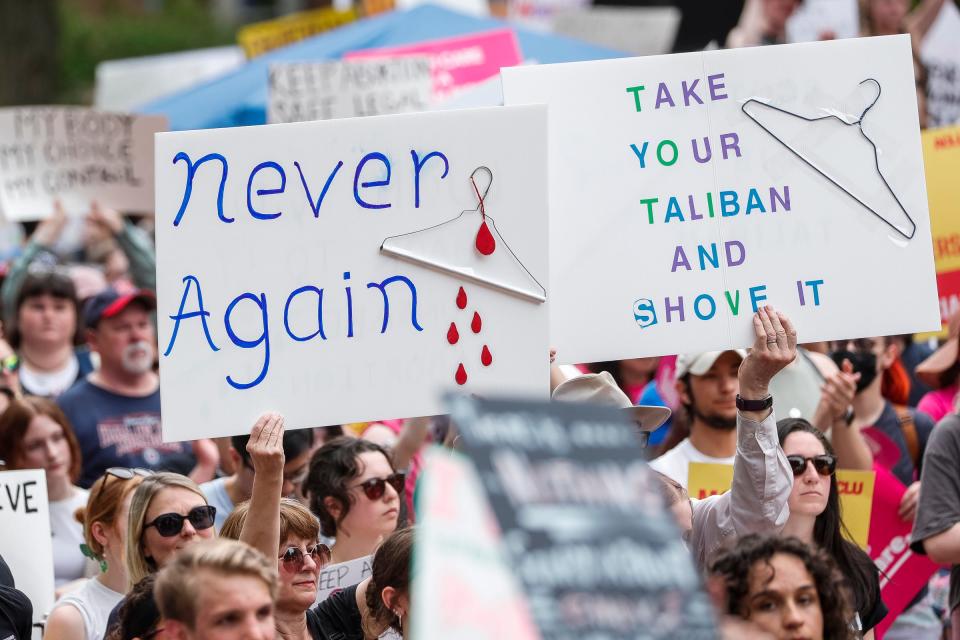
[(83, 614), (815, 516), (300, 559), (356, 493), (34, 434)]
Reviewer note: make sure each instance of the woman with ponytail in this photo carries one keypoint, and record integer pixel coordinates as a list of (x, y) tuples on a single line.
[(82, 614), (387, 590)]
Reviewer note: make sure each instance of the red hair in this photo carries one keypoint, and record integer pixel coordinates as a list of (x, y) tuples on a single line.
[(895, 386)]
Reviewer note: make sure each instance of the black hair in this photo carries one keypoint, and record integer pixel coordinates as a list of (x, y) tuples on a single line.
[(829, 529), (295, 443), (333, 466), (735, 567), (52, 282)]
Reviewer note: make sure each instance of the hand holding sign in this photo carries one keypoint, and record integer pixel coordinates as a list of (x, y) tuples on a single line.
[(774, 347), (49, 229), (266, 444), (105, 218)]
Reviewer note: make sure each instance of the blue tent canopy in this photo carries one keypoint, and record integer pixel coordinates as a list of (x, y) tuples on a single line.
[(239, 97)]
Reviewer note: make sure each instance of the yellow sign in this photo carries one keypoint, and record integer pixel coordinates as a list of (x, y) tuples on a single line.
[(941, 159), (260, 37), (855, 489)]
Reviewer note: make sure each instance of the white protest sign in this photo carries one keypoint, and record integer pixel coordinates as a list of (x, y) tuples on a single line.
[(642, 31), (686, 190), (131, 82), (25, 541), (824, 20), (337, 577), (941, 56), (302, 91), (274, 292), (77, 155)]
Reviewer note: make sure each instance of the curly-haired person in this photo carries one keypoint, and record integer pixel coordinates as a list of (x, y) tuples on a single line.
[(785, 588)]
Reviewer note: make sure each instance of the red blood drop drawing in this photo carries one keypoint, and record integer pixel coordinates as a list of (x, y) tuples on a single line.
[(462, 299), (452, 334), (461, 375), (485, 242), (485, 356), (476, 324)]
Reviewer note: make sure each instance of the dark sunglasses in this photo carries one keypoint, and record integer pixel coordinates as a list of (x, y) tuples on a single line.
[(294, 557), (825, 464), (125, 473), (375, 487), (171, 524)]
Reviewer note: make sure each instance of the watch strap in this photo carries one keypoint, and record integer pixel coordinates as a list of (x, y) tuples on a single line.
[(754, 405)]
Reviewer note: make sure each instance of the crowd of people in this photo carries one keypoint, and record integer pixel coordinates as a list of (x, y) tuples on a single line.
[(226, 538)]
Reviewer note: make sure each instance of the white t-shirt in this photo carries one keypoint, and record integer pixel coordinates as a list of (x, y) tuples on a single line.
[(674, 463), (94, 601), (217, 496), (68, 561), (49, 383)]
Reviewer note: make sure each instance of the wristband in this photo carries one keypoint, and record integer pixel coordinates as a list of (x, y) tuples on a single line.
[(754, 405)]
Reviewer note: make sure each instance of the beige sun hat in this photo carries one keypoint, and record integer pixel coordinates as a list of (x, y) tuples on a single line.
[(600, 389)]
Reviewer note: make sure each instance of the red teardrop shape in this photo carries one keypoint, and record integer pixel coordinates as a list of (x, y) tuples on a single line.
[(452, 334), (485, 242), (461, 375), (485, 356), (476, 324), (462, 299)]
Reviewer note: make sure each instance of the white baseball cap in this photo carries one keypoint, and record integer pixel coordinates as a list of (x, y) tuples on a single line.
[(699, 363)]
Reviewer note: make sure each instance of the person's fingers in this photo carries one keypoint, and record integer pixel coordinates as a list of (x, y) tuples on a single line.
[(760, 336), (789, 329), (769, 332), (846, 366)]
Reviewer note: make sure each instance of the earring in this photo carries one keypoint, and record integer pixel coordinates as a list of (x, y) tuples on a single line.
[(399, 615), (88, 552)]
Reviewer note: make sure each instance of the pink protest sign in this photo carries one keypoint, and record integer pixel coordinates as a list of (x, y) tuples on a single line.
[(902, 572), (459, 62)]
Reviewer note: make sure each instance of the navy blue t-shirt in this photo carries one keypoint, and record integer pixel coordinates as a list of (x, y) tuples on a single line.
[(120, 431)]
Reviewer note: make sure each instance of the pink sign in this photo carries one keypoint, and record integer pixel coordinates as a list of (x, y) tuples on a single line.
[(457, 63), (902, 572)]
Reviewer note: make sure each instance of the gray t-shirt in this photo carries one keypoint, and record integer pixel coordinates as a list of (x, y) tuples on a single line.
[(217, 496), (939, 506)]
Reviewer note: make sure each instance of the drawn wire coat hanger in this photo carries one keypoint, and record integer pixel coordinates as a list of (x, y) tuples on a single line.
[(392, 248), (859, 124)]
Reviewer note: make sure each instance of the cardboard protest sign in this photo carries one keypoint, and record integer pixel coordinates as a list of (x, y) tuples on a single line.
[(709, 183), (941, 158), (260, 37), (464, 586), (337, 577), (855, 489), (25, 542), (584, 521), (902, 572), (941, 57), (342, 271), (458, 62), (302, 91), (77, 155)]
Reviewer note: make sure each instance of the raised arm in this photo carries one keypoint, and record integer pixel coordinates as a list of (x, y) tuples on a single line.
[(834, 413), (762, 479), (262, 529), (922, 18)]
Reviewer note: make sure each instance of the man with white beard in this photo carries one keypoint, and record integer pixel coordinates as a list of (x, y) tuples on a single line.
[(115, 410)]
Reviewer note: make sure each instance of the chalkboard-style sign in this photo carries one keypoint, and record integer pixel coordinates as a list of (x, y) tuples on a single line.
[(585, 526)]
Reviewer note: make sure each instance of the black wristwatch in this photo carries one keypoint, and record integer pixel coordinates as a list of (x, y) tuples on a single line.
[(754, 405)]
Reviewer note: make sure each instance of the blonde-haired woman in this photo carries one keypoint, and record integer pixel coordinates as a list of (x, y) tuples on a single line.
[(82, 614), (169, 512)]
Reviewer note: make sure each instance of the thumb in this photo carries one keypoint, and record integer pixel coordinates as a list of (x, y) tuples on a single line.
[(847, 366)]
